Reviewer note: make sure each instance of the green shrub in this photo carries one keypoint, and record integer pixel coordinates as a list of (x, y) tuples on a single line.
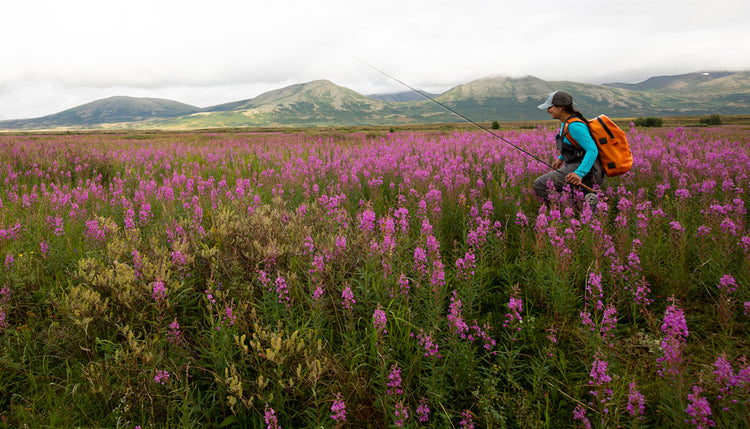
[(495, 125), (711, 120), (649, 122)]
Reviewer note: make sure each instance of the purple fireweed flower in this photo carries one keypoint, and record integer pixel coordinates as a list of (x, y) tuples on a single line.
[(483, 334), (161, 377), (420, 260), (586, 320), (682, 193), (270, 417), (728, 284), (401, 413), (699, 409), (641, 292), (282, 291), (487, 208), (338, 409), (599, 377), (340, 244), (674, 322), (609, 322), (145, 213), (388, 226), (394, 381), (318, 263), (599, 383), (725, 377), (348, 298), (465, 266), (367, 222), (455, 316), (423, 411), (308, 246), (426, 227), (402, 214), (4, 296), (174, 332), (515, 305), (521, 219), (318, 293), (228, 317), (437, 279), (44, 248), (433, 245), (426, 341), (57, 223), (264, 280), (580, 414), (159, 291), (403, 283), (594, 290), (636, 401), (3, 320), (552, 338), (210, 297), (467, 422), (137, 263), (379, 321), (729, 227), (675, 332), (9, 261), (179, 260)]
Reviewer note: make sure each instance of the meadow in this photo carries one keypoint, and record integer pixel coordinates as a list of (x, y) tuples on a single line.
[(350, 279)]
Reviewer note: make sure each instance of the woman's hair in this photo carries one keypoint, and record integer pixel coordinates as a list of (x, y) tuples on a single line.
[(573, 111)]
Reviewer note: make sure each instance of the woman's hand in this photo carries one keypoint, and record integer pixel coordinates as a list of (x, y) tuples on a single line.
[(573, 179), (557, 163)]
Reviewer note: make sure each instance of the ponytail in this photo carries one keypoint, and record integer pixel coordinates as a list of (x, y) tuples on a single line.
[(573, 111)]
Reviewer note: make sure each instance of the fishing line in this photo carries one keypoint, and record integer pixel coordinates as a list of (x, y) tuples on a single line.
[(427, 96)]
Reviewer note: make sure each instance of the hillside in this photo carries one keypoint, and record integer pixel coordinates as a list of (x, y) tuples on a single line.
[(502, 98), (113, 110)]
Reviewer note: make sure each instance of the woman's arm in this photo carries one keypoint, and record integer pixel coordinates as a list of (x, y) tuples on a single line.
[(580, 133)]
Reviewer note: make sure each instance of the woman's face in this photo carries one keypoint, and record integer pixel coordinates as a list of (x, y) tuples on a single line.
[(554, 111)]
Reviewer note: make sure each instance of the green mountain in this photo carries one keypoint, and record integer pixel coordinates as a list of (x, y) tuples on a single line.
[(112, 110), (316, 103), (323, 103)]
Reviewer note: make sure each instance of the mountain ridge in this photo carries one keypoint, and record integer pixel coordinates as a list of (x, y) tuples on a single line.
[(323, 103)]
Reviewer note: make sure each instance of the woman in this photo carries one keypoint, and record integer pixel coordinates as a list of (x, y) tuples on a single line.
[(576, 163)]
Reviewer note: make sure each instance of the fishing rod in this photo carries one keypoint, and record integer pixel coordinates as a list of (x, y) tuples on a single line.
[(427, 96)]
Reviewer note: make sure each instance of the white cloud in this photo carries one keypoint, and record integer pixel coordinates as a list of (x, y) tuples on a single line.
[(204, 53)]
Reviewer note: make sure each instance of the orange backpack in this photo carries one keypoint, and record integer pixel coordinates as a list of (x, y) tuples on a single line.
[(614, 152)]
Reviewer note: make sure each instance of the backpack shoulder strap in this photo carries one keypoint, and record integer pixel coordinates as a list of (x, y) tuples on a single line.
[(565, 132)]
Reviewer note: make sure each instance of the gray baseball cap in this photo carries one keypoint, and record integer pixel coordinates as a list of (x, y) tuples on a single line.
[(557, 98)]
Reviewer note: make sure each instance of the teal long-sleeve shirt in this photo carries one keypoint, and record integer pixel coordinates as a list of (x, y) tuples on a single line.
[(580, 133)]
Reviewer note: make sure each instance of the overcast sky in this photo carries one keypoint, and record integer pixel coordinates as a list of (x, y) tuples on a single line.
[(60, 54)]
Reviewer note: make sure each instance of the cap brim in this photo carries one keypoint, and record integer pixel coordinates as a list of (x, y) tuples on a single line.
[(544, 106)]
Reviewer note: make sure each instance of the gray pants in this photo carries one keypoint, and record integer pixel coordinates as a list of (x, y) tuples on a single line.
[(557, 177)]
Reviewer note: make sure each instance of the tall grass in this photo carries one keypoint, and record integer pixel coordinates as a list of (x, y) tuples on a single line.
[(407, 280)]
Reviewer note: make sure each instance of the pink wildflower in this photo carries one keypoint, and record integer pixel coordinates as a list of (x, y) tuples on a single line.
[(338, 409), (699, 409), (159, 291), (379, 321), (348, 298), (270, 417), (636, 401), (423, 411), (394, 381), (161, 377)]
